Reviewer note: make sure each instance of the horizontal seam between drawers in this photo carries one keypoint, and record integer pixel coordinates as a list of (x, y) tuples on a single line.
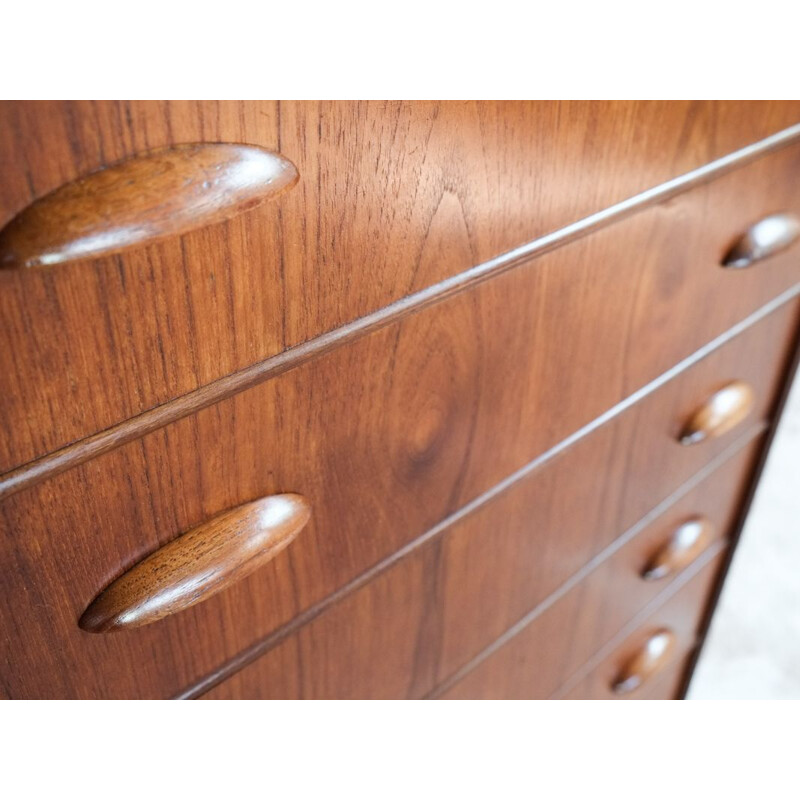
[(659, 600), (173, 410), (606, 649), (260, 648), (584, 572)]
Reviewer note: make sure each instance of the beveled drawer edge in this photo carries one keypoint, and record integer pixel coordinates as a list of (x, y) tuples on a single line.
[(83, 450), (273, 639), (713, 553), (608, 552)]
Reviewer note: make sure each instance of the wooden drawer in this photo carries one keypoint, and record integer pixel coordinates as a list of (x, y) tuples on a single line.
[(431, 611), (408, 444), (680, 617), (88, 344), (554, 640), (552, 643)]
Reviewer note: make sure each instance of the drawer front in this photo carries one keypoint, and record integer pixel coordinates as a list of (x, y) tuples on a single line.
[(557, 642), (383, 449), (413, 627), (679, 619), (87, 344)]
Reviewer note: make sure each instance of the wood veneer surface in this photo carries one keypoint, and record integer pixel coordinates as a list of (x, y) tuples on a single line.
[(412, 628), (681, 614), (388, 435), (374, 481), (392, 198)]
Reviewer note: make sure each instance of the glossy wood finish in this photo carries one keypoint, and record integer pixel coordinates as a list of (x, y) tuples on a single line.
[(446, 602), (199, 563), (398, 425), (566, 296), (762, 240), (458, 184), (151, 196), (383, 451), (681, 615), (551, 645), (686, 542), (667, 684), (686, 675), (728, 407), (654, 654)]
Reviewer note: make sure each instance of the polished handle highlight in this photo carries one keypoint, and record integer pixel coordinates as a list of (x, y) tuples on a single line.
[(724, 410), (653, 655), (686, 543), (767, 237), (142, 199), (199, 563)]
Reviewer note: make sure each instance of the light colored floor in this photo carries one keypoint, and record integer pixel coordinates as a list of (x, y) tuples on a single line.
[(753, 649)]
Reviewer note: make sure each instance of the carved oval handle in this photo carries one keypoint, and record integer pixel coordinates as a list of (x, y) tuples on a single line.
[(199, 563), (768, 236), (142, 199), (686, 543), (722, 411), (653, 655)]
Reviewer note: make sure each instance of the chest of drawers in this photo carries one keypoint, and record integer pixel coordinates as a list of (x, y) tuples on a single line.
[(502, 373)]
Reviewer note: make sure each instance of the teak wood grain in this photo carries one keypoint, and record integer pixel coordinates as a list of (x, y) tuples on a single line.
[(434, 611), (681, 615), (670, 242), (382, 186), (539, 664), (385, 438), (199, 563), (595, 353), (143, 199)]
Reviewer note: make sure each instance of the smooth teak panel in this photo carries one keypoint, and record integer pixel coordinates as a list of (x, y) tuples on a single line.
[(392, 198), (434, 611), (669, 254), (681, 616), (546, 656), (385, 439), (551, 531)]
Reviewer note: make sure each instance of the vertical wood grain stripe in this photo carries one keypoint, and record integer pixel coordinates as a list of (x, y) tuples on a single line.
[(92, 446)]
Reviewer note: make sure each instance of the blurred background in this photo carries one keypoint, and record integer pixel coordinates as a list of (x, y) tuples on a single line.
[(753, 648)]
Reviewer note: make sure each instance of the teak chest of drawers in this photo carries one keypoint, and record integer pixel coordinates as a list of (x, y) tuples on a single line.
[(384, 400)]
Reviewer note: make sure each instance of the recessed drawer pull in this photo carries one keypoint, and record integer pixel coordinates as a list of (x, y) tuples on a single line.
[(653, 655), (134, 202), (686, 543), (768, 236), (199, 563), (722, 411)]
